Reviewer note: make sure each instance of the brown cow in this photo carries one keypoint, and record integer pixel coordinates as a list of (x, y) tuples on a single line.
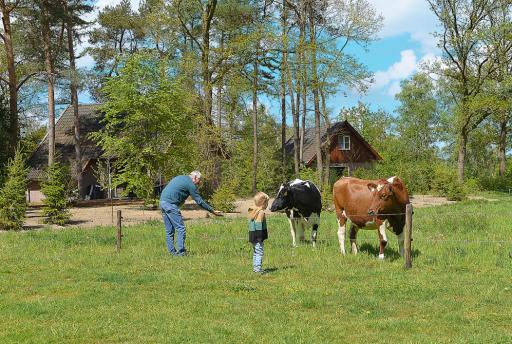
[(367, 203)]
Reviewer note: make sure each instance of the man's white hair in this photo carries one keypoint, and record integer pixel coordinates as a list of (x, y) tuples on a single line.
[(195, 174)]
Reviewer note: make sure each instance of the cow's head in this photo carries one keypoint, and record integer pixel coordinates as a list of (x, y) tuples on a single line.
[(388, 196), (283, 200)]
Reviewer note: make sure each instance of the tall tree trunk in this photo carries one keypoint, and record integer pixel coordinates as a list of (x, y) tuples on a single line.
[(461, 159), (219, 107), (255, 122), (74, 103), (314, 76), (326, 147), (283, 119), (13, 123), (212, 149), (219, 90), (502, 147), (207, 89), (205, 59), (51, 80), (303, 74), (283, 96), (296, 138)]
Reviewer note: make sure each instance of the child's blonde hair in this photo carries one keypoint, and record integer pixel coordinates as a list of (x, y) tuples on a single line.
[(260, 199)]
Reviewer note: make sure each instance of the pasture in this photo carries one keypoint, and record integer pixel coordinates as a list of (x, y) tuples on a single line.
[(71, 286)]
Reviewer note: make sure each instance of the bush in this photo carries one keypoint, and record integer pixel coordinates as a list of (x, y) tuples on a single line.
[(13, 202), (327, 202), (496, 183), (472, 185), (308, 173), (445, 184), (223, 198), (56, 191)]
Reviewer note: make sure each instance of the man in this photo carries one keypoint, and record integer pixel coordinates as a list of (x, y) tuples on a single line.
[(172, 198)]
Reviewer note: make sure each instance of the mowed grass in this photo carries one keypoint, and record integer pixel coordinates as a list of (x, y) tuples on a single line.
[(71, 286)]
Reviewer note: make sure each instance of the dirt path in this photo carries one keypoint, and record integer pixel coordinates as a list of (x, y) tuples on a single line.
[(133, 212)]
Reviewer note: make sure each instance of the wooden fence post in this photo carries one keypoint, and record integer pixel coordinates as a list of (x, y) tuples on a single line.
[(119, 234), (408, 237)]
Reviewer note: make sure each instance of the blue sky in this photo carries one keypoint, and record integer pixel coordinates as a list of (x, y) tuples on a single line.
[(405, 43)]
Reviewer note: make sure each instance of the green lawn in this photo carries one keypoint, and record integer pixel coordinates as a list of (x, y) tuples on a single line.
[(71, 286)]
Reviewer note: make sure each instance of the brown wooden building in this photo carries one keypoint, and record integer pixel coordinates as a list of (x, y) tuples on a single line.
[(90, 121), (348, 150)]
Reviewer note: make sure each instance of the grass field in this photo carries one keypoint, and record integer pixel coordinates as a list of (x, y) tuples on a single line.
[(71, 286)]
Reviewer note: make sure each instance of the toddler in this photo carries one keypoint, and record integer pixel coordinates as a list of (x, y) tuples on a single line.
[(258, 229)]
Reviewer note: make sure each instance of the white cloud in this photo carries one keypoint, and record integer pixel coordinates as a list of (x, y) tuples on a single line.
[(394, 88), (397, 71), (408, 16)]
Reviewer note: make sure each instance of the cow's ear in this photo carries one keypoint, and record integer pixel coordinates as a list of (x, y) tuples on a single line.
[(372, 187)]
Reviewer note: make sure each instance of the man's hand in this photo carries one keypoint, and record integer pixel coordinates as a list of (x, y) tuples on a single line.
[(218, 213)]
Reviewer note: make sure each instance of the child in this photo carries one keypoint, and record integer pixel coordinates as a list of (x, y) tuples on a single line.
[(258, 229)]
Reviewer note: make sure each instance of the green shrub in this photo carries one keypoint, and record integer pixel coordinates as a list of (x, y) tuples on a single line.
[(224, 197), (496, 183), (13, 202), (308, 173), (56, 191), (445, 183), (327, 202), (472, 185)]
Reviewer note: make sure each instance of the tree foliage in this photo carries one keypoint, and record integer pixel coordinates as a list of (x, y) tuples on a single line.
[(13, 202), (191, 85), (148, 124), (56, 189)]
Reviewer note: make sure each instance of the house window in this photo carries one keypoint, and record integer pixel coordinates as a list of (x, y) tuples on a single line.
[(344, 142)]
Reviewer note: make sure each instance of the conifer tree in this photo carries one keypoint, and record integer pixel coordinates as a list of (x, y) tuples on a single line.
[(13, 203), (56, 191)]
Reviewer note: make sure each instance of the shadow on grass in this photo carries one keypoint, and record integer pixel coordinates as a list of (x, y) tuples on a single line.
[(274, 269), (390, 254), (32, 227), (70, 223)]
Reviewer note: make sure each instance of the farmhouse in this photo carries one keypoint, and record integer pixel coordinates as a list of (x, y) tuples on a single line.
[(348, 150), (65, 151)]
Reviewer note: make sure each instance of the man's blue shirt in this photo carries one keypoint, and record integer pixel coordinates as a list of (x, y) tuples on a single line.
[(178, 189)]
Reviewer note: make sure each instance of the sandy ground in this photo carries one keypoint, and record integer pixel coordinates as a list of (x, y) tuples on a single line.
[(133, 212)]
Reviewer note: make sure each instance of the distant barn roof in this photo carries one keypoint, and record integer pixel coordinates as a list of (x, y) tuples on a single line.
[(309, 140), (64, 148)]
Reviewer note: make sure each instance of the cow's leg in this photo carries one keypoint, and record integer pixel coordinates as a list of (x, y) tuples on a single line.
[(383, 240), (401, 243), (293, 224), (353, 238), (313, 234), (315, 222), (341, 233), (300, 226)]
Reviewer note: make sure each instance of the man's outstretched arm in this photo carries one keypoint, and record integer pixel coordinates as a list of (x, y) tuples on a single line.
[(197, 198)]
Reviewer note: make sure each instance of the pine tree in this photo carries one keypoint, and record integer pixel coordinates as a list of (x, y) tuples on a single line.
[(13, 203), (56, 191)]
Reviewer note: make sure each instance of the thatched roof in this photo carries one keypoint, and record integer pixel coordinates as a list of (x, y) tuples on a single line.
[(309, 153), (64, 147)]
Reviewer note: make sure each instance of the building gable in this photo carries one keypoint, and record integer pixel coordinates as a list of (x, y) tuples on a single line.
[(359, 152), (90, 119)]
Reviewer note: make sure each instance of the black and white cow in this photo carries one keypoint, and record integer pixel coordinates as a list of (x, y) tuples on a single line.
[(302, 202)]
